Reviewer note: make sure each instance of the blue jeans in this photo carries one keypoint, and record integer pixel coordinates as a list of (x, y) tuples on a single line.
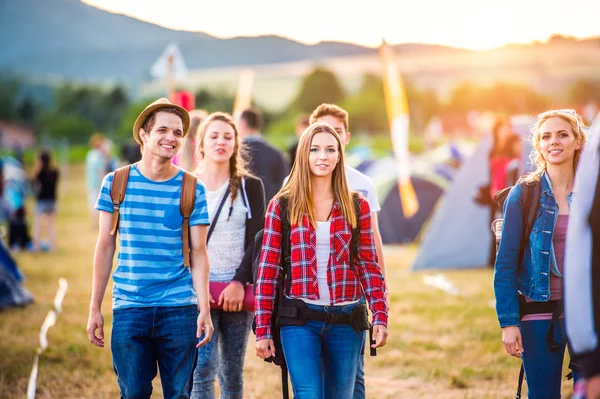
[(360, 391), (543, 368), (322, 358), (224, 353), (144, 337)]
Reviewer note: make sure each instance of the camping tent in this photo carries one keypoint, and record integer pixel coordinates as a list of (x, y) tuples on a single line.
[(458, 235), (394, 227)]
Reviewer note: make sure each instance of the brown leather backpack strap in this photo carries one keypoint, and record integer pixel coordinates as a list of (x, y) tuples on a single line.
[(117, 194), (186, 206)]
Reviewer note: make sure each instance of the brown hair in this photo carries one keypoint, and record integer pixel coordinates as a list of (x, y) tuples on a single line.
[(237, 165), (253, 118), (536, 157), (330, 109), (298, 189)]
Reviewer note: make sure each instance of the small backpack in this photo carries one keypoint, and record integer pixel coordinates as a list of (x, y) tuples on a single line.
[(530, 204), (285, 276), (186, 206)]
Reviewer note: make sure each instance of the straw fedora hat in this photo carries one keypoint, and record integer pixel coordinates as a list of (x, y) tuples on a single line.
[(155, 106)]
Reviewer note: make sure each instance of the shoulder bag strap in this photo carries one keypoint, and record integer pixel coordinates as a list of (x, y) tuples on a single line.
[(214, 222)]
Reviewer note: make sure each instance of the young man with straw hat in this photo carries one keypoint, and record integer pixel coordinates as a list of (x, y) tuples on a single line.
[(161, 312)]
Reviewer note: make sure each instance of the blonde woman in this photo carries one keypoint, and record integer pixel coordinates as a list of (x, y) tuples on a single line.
[(236, 207), (529, 273), (325, 279)]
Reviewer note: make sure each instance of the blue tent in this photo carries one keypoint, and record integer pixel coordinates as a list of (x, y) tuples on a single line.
[(394, 227)]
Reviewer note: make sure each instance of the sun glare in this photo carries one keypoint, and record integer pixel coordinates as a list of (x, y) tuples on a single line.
[(468, 24)]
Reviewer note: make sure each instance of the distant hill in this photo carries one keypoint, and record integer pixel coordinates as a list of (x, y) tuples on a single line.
[(70, 39)]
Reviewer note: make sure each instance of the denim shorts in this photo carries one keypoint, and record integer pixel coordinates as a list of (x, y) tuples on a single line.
[(45, 206)]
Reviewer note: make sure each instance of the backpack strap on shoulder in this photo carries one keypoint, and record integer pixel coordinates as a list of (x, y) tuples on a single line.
[(531, 204), (355, 230), (286, 255), (186, 206), (117, 194)]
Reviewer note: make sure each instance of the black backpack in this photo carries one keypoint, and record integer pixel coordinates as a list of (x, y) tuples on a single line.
[(530, 204), (285, 279)]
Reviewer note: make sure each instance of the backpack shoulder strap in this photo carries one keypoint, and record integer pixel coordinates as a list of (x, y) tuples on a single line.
[(186, 206), (355, 229), (530, 205), (286, 254), (117, 194)]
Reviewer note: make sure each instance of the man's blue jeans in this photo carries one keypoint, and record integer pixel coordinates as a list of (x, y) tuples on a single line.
[(322, 358), (144, 337), (543, 368)]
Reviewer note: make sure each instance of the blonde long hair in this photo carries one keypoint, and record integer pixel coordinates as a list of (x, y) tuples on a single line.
[(536, 157), (237, 165), (298, 190)]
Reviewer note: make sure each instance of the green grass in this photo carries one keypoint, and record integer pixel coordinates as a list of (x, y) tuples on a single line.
[(440, 346)]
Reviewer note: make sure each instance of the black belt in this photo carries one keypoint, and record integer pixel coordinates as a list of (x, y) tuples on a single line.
[(317, 315)]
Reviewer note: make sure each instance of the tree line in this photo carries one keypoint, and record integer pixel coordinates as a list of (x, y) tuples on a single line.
[(76, 111)]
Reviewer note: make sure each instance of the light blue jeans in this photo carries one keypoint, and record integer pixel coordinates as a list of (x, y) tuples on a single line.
[(223, 355), (322, 358)]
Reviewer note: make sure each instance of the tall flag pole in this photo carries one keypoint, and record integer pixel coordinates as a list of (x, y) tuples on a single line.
[(397, 111), (243, 96)]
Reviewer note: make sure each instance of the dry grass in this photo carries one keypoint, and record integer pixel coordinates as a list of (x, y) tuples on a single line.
[(440, 346)]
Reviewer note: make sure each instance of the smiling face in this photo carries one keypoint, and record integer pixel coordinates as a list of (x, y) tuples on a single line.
[(164, 139), (218, 144), (324, 154), (557, 142)]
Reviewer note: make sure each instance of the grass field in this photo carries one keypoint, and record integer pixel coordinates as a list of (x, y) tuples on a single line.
[(440, 346)]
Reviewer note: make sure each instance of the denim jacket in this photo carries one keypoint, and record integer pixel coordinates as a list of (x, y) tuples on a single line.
[(532, 276)]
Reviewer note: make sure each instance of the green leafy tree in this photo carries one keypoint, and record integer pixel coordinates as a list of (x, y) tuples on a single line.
[(319, 86), (74, 128), (9, 88)]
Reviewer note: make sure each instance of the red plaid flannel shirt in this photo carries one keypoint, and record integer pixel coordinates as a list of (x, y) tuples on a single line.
[(343, 281)]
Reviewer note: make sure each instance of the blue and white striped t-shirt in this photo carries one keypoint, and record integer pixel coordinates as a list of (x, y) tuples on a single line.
[(150, 269)]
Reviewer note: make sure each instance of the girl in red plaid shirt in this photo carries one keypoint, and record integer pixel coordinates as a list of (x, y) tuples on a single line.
[(322, 355)]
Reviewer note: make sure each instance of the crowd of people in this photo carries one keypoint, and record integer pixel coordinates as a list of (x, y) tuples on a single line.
[(294, 248)]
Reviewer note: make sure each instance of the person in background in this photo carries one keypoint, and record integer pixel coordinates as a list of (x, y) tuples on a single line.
[(302, 123), (112, 162), (582, 269), (95, 170), (326, 280), (263, 160), (45, 183), (186, 158), (528, 282), (502, 153), (241, 198)]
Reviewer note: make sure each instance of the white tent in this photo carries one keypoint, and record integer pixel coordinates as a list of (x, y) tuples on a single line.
[(458, 234)]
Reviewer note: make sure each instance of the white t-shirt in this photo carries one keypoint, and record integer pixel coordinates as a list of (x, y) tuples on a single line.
[(323, 249), (226, 246), (362, 184)]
